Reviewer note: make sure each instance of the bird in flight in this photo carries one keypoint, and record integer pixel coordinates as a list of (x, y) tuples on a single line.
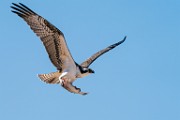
[(55, 44)]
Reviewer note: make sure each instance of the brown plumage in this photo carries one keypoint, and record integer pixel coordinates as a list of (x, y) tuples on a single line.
[(52, 38), (59, 54), (90, 60)]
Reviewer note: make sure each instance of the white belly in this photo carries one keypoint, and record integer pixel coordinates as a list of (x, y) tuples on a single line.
[(67, 76), (62, 75)]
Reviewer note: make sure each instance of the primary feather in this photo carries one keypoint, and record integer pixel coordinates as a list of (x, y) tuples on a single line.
[(52, 38)]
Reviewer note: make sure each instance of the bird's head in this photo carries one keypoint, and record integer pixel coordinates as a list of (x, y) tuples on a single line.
[(87, 70)]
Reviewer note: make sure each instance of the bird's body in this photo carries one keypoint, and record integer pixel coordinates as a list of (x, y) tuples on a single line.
[(54, 41)]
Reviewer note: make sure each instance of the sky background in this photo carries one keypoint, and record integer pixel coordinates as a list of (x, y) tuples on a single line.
[(138, 80)]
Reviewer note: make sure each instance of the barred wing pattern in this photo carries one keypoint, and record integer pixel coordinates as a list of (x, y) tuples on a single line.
[(52, 38), (90, 60)]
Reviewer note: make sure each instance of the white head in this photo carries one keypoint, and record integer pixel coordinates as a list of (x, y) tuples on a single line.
[(86, 71)]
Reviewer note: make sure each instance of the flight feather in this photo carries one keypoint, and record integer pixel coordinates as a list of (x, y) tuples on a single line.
[(52, 38), (90, 60)]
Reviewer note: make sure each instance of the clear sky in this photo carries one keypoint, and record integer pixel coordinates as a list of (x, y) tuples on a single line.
[(138, 80)]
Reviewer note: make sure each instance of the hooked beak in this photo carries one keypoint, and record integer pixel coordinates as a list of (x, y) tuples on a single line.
[(91, 71)]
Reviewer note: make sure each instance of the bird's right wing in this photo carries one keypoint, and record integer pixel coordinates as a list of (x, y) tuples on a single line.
[(90, 60), (52, 38)]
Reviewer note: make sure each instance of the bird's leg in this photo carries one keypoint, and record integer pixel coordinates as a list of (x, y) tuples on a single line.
[(79, 89), (61, 78)]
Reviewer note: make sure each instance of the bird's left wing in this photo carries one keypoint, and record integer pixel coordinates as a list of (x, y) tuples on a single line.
[(90, 60), (52, 38)]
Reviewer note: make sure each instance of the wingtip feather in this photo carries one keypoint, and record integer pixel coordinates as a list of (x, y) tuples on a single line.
[(123, 40)]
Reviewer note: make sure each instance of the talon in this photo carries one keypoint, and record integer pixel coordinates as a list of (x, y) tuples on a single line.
[(83, 93), (77, 89)]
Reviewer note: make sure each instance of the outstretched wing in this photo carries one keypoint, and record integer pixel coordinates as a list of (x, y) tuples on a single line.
[(52, 38), (90, 60)]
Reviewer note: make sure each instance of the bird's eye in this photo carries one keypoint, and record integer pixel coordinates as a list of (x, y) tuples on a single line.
[(85, 69)]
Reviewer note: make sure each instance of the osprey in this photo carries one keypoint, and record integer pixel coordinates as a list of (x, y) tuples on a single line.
[(54, 41)]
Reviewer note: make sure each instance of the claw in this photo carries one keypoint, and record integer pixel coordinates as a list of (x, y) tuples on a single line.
[(83, 93), (79, 89)]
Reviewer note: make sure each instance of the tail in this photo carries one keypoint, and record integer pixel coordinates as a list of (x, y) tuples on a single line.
[(51, 78)]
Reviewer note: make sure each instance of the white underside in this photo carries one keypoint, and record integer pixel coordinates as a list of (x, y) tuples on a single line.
[(62, 75)]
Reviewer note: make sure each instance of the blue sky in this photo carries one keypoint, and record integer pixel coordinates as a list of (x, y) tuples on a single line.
[(138, 80)]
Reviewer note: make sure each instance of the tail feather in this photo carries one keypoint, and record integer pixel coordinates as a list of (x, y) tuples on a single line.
[(51, 78)]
